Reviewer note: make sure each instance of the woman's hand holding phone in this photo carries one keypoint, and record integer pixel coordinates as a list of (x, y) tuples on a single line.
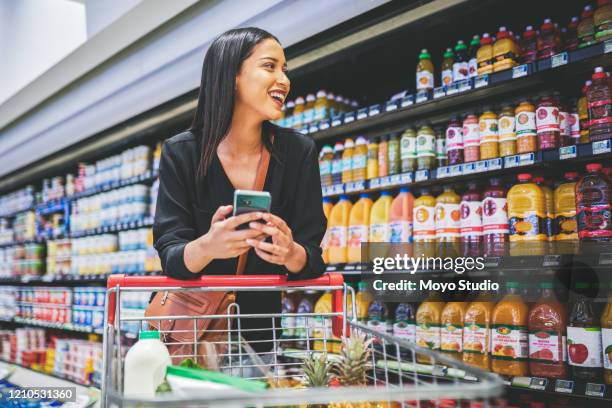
[(223, 240)]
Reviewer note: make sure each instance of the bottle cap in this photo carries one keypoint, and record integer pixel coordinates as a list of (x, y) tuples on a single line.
[(331, 96), (460, 46), (448, 53), (364, 195), (362, 285), (475, 40), (523, 177), (148, 334), (338, 147), (343, 197), (310, 98), (354, 104), (339, 98), (327, 149), (327, 200), (571, 175), (290, 104), (486, 39), (299, 100), (424, 54), (348, 143), (502, 33), (598, 74), (593, 167), (404, 189), (361, 141), (538, 179), (546, 285), (321, 94), (385, 193)]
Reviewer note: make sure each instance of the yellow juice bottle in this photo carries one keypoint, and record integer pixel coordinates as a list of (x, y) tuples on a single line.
[(360, 159), (309, 109), (428, 320), (347, 161), (451, 337), (327, 207), (489, 135), (372, 165), (359, 227), (338, 230), (322, 331), (526, 217), (379, 218), (321, 106), (550, 207), (298, 113), (564, 199), (477, 332), (424, 224)]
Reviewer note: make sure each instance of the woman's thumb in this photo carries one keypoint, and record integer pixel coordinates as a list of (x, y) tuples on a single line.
[(221, 213)]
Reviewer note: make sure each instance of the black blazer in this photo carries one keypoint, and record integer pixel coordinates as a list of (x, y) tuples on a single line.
[(185, 208)]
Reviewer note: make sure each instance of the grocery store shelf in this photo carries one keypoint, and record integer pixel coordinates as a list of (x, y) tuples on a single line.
[(438, 105), (69, 280), (24, 242), (14, 213), (566, 388), (148, 176), (53, 325), (597, 151), (122, 226)]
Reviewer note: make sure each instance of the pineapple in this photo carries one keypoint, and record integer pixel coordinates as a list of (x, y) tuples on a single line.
[(318, 370)]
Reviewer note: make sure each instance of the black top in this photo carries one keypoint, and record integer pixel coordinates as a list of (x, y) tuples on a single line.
[(185, 208)]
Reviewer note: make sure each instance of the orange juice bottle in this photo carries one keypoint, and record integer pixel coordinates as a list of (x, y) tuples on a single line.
[(424, 227), (606, 338), (566, 227), (379, 218), (448, 216), (489, 135), (477, 333), (428, 319), (338, 230), (363, 298), (372, 163), (509, 336), (347, 161), (526, 130), (550, 207), (383, 156), (360, 159), (359, 227), (327, 207), (526, 211), (451, 337), (400, 220)]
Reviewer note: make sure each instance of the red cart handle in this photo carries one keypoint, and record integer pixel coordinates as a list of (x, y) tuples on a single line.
[(262, 281)]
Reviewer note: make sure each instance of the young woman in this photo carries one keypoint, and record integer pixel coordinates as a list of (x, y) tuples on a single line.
[(244, 85)]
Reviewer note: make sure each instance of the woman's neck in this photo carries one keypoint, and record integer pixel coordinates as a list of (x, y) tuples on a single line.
[(244, 136)]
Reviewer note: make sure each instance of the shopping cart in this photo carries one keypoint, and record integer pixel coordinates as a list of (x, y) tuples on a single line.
[(393, 374)]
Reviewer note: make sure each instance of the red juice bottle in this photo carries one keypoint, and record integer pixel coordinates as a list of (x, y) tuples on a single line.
[(571, 36), (565, 132), (529, 45), (547, 123), (471, 138), (593, 205), (547, 42), (454, 141), (599, 99), (494, 218), (586, 28), (470, 230)]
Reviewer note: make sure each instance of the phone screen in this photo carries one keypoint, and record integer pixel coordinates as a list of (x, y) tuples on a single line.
[(249, 201)]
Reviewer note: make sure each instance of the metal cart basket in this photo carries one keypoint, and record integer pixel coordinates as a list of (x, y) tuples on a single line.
[(395, 378)]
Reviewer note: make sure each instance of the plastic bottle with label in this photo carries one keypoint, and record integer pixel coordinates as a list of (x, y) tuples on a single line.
[(547, 330), (471, 138), (360, 160), (473, 60), (489, 135), (509, 335), (446, 70), (526, 211), (298, 113), (594, 205), (347, 161), (461, 68), (606, 338), (424, 72), (394, 154), (327, 208), (574, 122), (566, 227), (454, 141), (565, 138), (303, 340), (505, 51), (451, 322), (550, 207), (506, 129), (471, 220), (336, 167), (408, 151), (586, 27), (400, 219), (448, 216), (372, 164), (571, 35), (484, 55), (145, 365), (424, 229), (322, 335), (426, 148), (547, 123), (602, 18), (526, 130), (428, 320), (289, 111), (338, 230), (363, 298), (599, 97), (440, 147), (379, 218), (583, 113), (325, 165), (383, 156), (404, 326), (321, 107), (529, 45), (289, 303), (584, 349), (477, 332), (378, 317), (359, 227), (547, 45)]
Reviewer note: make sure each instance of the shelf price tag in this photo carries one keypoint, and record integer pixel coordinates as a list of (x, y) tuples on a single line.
[(443, 172), (406, 178), (349, 117), (361, 114), (452, 88), (408, 100), (385, 181), (559, 59), (538, 383), (313, 128), (391, 106), (601, 146), (374, 183), (455, 170), (605, 259), (395, 180), (518, 160), (494, 164), (564, 386), (481, 166), (595, 390), (355, 186), (421, 175), (551, 260), (324, 125), (607, 46), (421, 96), (469, 168), (481, 81), (520, 71), (439, 92), (464, 85), (567, 152), (374, 110), (336, 120)]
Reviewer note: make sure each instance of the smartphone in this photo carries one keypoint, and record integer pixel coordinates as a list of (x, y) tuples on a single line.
[(246, 201)]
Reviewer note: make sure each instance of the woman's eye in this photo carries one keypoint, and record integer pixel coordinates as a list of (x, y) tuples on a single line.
[(269, 65)]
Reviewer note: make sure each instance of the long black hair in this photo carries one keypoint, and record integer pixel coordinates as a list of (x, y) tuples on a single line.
[(213, 115)]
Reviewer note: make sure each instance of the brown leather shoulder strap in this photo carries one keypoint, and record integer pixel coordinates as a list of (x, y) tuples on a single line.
[(260, 179)]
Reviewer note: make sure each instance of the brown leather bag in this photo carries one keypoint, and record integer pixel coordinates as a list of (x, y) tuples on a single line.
[(204, 339)]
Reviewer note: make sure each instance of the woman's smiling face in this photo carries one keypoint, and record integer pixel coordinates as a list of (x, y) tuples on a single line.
[(262, 85)]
